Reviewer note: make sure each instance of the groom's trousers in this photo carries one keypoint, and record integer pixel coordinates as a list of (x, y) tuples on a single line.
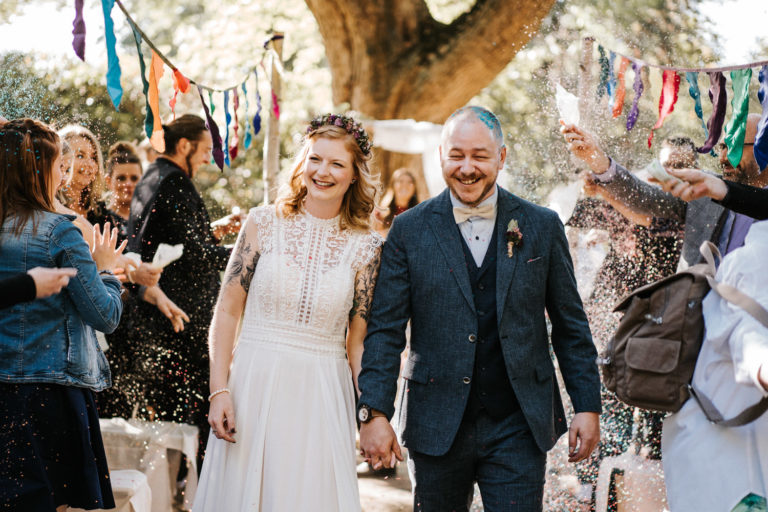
[(501, 455)]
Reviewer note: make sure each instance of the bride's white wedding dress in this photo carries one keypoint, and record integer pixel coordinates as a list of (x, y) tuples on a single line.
[(290, 380)]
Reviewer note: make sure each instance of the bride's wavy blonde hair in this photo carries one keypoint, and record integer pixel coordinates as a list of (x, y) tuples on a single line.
[(360, 198)]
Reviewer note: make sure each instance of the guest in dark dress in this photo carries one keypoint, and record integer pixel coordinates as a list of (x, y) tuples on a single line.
[(400, 196), (167, 209), (51, 452)]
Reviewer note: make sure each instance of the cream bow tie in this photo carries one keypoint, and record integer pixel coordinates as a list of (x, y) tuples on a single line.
[(462, 213)]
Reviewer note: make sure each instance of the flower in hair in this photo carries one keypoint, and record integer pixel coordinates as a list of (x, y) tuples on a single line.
[(348, 124)]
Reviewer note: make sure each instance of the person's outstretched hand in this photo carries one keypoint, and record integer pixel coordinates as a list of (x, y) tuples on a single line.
[(583, 145), (49, 281), (378, 443), (696, 184), (154, 295), (104, 249), (583, 435)]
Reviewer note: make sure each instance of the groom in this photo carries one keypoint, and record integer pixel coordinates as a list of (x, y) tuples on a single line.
[(474, 270)]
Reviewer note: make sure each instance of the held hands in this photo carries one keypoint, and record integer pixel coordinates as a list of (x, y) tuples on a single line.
[(378, 443), (583, 435), (49, 281), (103, 248), (583, 145), (221, 417)]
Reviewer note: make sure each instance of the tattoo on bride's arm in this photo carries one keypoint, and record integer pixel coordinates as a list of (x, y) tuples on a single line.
[(247, 276), (365, 282), (236, 265)]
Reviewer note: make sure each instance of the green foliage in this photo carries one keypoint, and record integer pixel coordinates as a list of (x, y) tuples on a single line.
[(220, 43), (659, 31)]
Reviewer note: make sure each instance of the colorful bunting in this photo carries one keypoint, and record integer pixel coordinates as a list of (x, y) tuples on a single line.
[(155, 73), (235, 138), (669, 90), (78, 31), (603, 87), (227, 120), (180, 83), (218, 153), (210, 100), (737, 126), (693, 90), (148, 120), (618, 105), (761, 140), (247, 141), (275, 105), (719, 99), (114, 88), (257, 117), (637, 86), (611, 77)]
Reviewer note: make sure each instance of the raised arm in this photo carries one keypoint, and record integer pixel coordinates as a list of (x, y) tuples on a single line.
[(365, 282), (226, 319), (638, 196)]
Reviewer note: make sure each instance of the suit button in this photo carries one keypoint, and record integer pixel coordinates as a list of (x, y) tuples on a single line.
[(466, 380), (472, 338), (481, 286)]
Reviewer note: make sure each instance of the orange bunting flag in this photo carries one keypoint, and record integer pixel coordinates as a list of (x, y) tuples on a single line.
[(180, 83), (621, 90), (155, 73), (669, 90)]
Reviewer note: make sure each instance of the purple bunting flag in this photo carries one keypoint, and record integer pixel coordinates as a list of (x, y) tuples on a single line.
[(719, 98), (634, 112), (218, 153), (78, 31), (257, 117)]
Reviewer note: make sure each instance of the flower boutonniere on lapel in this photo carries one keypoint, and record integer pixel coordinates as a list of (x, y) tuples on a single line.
[(514, 237)]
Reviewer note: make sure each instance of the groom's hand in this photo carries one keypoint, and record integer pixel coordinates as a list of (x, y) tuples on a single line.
[(378, 443), (583, 435)]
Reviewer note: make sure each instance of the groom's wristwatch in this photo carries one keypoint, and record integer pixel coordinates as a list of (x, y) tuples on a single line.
[(366, 414)]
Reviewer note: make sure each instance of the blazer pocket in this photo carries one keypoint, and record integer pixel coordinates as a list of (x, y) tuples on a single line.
[(415, 371)]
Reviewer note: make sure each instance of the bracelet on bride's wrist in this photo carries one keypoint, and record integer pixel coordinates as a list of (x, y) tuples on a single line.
[(217, 392)]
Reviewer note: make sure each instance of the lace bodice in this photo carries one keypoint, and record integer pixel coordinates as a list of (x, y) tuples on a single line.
[(302, 288)]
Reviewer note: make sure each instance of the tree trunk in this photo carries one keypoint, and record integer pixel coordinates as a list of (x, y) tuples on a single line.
[(390, 59)]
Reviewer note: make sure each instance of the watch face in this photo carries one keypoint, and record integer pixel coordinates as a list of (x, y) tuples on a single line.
[(363, 414)]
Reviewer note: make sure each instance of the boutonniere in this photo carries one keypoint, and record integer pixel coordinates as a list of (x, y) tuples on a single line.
[(514, 237)]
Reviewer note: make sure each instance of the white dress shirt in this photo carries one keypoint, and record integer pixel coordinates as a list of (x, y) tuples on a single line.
[(477, 231)]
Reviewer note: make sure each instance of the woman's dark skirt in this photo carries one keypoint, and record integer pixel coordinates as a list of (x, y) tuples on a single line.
[(51, 452)]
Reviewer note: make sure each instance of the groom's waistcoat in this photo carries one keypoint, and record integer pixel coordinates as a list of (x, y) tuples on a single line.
[(490, 383)]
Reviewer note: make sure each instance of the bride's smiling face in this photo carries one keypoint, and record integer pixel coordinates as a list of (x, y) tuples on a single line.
[(328, 171)]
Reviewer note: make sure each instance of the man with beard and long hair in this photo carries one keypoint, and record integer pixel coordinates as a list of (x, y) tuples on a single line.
[(171, 359)]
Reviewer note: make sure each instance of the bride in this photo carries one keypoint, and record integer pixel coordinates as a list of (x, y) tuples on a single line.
[(301, 277)]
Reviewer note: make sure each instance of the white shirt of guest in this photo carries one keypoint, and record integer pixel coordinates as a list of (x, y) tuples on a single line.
[(477, 231), (706, 466)]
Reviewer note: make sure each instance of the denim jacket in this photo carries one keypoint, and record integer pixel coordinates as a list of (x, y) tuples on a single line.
[(52, 340)]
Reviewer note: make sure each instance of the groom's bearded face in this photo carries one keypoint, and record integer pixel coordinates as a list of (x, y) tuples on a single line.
[(471, 159)]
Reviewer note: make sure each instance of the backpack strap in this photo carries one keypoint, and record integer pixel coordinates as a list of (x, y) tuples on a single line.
[(759, 313)]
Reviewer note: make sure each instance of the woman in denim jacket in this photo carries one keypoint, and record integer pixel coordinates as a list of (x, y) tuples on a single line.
[(51, 453)]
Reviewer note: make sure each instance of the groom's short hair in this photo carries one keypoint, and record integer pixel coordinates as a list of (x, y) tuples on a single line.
[(483, 115)]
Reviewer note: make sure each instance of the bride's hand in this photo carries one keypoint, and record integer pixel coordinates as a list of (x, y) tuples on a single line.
[(221, 417)]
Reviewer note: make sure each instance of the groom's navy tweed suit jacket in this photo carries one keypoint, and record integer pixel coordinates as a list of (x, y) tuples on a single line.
[(424, 279)]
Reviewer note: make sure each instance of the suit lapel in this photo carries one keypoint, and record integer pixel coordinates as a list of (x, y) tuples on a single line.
[(447, 234), (508, 209)]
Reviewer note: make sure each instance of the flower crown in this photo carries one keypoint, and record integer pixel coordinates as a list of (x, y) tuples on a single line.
[(352, 127)]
